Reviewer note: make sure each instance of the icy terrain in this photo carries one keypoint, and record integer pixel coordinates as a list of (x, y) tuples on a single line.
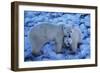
[(33, 18)]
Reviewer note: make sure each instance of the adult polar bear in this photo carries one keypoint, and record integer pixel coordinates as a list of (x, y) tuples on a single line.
[(45, 32)]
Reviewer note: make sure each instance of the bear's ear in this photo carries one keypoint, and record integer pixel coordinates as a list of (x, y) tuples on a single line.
[(67, 28), (61, 26)]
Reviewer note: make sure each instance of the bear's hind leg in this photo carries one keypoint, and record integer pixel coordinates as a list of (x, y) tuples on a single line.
[(37, 50)]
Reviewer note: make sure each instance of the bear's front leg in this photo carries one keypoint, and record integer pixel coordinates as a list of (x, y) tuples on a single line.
[(58, 48), (74, 46)]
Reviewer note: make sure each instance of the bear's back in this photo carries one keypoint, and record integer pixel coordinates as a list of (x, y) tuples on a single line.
[(45, 30)]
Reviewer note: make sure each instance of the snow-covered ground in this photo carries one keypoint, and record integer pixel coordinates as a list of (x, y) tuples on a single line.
[(33, 18)]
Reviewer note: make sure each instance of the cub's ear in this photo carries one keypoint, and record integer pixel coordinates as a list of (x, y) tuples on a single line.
[(78, 32)]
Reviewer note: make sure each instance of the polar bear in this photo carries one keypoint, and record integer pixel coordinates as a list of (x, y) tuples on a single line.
[(76, 38), (73, 39), (45, 32)]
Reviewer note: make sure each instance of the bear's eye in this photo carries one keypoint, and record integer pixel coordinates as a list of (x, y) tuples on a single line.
[(69, 36)]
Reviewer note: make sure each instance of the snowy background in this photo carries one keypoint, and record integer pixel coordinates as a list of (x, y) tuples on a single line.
[(33, 18)]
